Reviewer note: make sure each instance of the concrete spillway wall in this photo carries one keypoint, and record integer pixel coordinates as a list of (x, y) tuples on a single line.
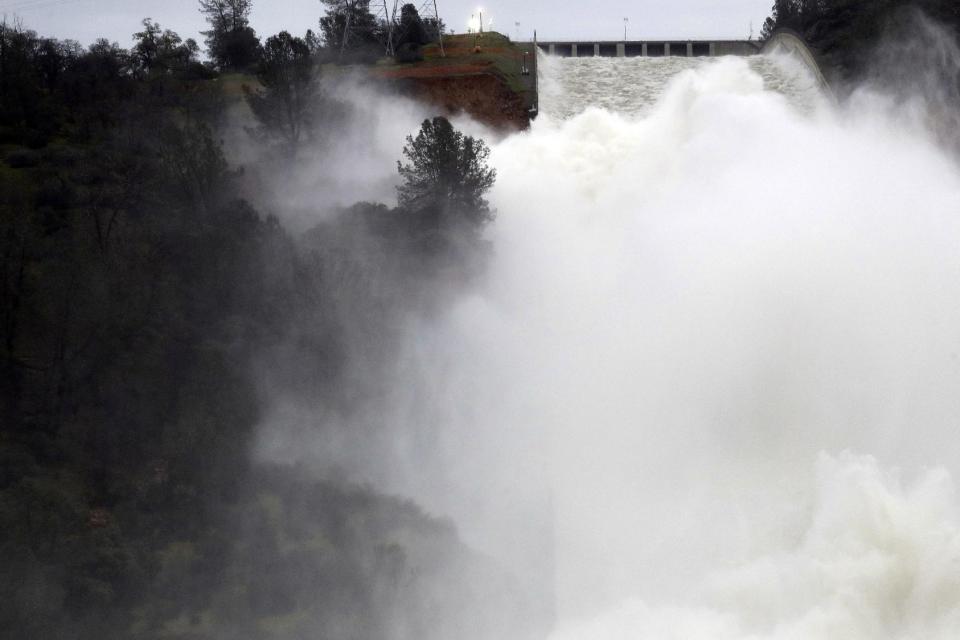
[(660, 48), (785, 41), (782, 41)]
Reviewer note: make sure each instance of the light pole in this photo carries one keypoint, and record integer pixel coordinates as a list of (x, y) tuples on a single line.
[(625, 21)]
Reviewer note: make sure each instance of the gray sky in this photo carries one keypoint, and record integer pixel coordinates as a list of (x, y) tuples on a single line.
[(85, 20)]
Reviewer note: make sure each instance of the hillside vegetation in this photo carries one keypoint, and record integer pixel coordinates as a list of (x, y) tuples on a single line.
[(145, 311), (481, 74), (847, 33)]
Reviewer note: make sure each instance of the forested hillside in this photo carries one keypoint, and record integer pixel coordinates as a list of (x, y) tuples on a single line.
[(139, 299)]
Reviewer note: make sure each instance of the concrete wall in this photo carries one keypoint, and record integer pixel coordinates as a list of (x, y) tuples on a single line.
[(787, 42), (632, 49), (736, 48)]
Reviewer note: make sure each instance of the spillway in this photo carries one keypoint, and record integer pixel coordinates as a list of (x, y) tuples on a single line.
[(631, 86)]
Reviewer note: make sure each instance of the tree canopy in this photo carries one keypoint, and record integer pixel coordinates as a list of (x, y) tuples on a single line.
[(285, 106), (446, 173), (158, 50), (144, 307), (411, 29), (350, 29), (846, 32), (231, 42)]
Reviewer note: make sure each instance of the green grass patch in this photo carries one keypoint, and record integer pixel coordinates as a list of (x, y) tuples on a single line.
[(463, 54), (231, 84)]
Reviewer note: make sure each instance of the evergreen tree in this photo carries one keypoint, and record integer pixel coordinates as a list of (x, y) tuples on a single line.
[(446, 175), (313, 42), (412, 30), (349, 28), (782, 15), (159, 51), (143, 309), (285, 105), (231, 42)]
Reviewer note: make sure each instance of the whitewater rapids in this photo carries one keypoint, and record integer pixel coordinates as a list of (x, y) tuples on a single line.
[(722, 331)]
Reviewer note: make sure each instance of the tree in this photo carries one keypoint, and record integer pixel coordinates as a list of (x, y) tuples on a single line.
[(96, 85), (313, 42), (782, 14), (284, 107), (349, 27), (846, 33), (162, 51), (446, 174), (231, 42), (21, 91), (412, 30), (227, 15)]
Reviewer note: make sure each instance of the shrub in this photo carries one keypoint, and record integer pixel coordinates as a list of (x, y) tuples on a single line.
[(409, 52)]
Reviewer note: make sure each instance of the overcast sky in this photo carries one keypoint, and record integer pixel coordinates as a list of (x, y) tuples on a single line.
[(86, 20)]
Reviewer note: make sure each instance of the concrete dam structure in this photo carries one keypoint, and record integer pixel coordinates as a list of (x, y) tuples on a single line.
[(788, 42), (782, 41), (651, 48)]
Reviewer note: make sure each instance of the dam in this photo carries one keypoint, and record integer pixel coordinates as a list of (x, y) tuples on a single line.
[(651, 49), (659, 60)]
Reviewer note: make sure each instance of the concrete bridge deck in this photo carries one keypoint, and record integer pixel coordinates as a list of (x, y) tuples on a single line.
[(650, 48)]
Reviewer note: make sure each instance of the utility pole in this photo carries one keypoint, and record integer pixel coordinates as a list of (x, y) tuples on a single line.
[(625, 21), (536, 76), (436, 13)]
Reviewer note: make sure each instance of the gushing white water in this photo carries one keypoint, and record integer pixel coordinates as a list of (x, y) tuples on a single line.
[(631, 86), (710, 386), (722, 331)]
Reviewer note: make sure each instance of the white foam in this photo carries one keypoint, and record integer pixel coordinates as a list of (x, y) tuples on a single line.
[(689, 304)]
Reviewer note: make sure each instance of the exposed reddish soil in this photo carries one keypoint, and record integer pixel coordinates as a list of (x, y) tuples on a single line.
[(435, 70), (482, 95)]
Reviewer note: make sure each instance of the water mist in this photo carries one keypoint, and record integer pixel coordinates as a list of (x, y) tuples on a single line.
[(722, 331), (709, 387)]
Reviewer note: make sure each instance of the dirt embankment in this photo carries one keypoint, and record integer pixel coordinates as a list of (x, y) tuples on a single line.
[(484, 75), (483, 96)]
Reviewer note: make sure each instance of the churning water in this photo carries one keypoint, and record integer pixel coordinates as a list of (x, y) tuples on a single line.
[(631, 86), (721, 333)]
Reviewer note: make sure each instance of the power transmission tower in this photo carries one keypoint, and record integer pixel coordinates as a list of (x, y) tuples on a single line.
[(347, 8), (428, 11), (388, 17)]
